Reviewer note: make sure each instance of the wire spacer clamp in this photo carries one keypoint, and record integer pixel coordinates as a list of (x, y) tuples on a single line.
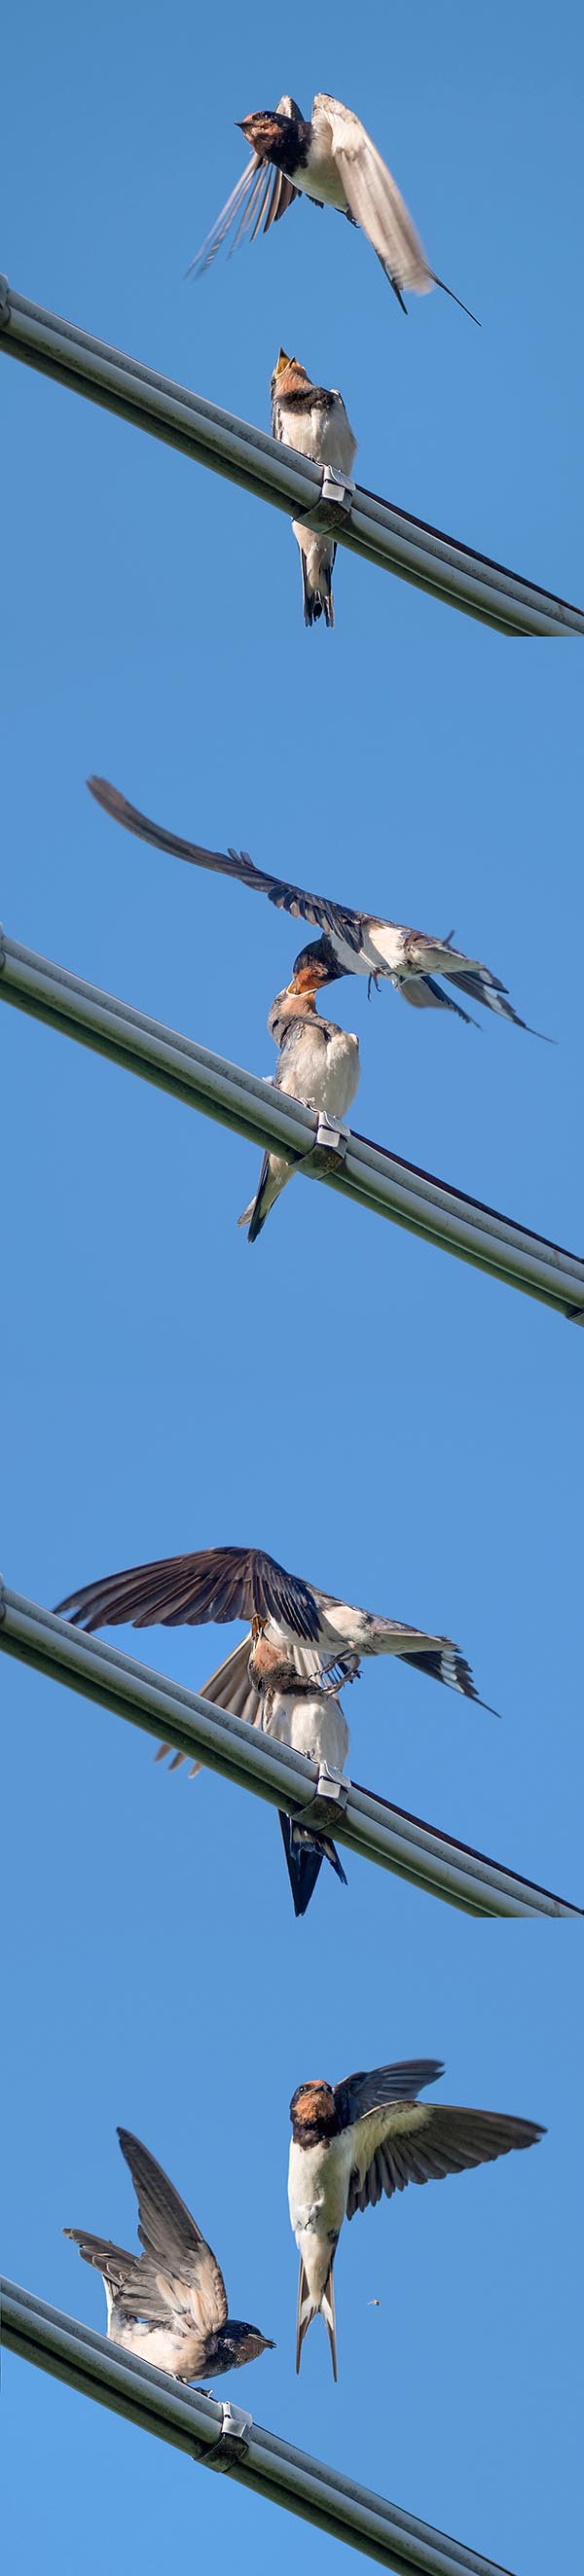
[(330, 1144), (333, 510), (233, 2440), (331, 1790), (4, 301)]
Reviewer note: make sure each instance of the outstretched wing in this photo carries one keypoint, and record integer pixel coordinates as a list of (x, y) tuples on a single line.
[(175, 2252), (217, 1583), (261, 191), (374, 199), (360, 2093), (375, 203), (320, 910), (424, 2141)]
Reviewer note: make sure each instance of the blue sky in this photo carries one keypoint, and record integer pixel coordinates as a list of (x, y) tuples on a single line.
[(383, 1419)]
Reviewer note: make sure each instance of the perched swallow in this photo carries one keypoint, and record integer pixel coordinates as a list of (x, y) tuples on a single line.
[(299, 1712), (325, 1638), (351, 943), (318, 1063), (169, 2303), (353, 2141), (295, 1710), (332, 160), (315, 422)]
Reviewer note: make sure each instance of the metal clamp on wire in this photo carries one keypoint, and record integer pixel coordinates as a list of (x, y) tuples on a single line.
[(233, 2439), (330, 1790), (330, 1143), (4, 301), (333, 510)]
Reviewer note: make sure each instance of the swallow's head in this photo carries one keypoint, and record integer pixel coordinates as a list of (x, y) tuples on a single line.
[(241, 2343), (315, 965), (293, 1004), (271, 136), (313, 2113), (289, 376)]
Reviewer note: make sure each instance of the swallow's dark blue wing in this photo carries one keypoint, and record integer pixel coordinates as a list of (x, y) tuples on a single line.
[(320, 910), (217, 1583), (422, 2142), (360, 2093)]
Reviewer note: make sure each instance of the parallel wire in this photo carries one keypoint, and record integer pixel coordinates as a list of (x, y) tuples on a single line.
[(227, 2439), (193, 1725), (363, 1171), (386, 536)]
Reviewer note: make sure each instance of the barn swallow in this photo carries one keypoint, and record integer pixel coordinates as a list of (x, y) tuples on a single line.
[(315, 422), (368, 2135), (331, 159), (318, 1063), (169, 2303), (353, 943), (325, 1638)]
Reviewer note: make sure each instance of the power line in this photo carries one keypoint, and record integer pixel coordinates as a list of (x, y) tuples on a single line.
[(367, 1824), (368, 525), (225, 2438), (363, 1171)]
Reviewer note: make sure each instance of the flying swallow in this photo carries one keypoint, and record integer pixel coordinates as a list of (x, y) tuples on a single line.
[(318, 1063), (169, 2303), (368, 2135), (315, 422), (331, 159), (325, 1638), (351, 943)]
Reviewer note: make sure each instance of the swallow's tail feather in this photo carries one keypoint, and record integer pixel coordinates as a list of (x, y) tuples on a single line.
[(308, 2308), (273, 1177), (305, 1853), (317, 559)]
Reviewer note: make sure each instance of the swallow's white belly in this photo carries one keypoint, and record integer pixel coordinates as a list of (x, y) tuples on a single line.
[(321, 178), (318, 2183), (162, 2345), (325, 435), (315, 1727), (322, 1071)]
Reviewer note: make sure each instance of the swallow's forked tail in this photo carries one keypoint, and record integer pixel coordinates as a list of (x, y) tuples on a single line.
[(317, 582), (309, 2308), (305, 1853), (273, 1177)]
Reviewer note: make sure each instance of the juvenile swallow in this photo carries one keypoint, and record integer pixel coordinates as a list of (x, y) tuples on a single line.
[(307, 417), (297, 1710), (331, 159), (318, 1063), (169, 2303), (351, 943), (368, 2135), (324, 1637)]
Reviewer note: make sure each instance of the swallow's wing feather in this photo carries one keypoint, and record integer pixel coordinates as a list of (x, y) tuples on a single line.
[(374, 200), (217, 1583), (358, 2094), (426, 995), (174, 2249), (320, 910), (261, 191), (370, 1634), (422, 2141)]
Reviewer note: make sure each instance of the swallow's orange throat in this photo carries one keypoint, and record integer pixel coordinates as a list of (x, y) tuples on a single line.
[(313, 2113)]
